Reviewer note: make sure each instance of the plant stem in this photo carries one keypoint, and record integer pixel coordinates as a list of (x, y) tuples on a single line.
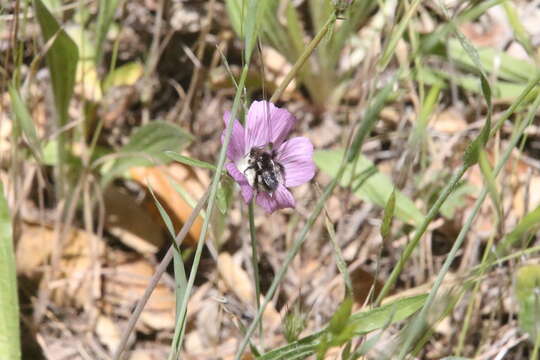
[(255, 259), (303, 57), (181, 323), (464, 230), (157, 275), (446, 191)]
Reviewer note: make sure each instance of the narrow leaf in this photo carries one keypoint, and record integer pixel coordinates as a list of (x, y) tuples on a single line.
[(62, 58), (10, 347), (370, 117), (389, 210), (189, 161), (25, 123), (363, 322)]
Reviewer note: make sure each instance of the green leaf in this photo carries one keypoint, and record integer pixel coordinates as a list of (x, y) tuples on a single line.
[(180, 278), (489, 178), (252, 25), (389, 210), (62, 57), (369, 119), (509, 68), (190, 161), (362, 323), (10, 347), (147, 147), (224, 194), (527, 225), (527, 288), (375, 189), (106, 12), (126, 74), (340, 317), (24, 121), (398, 32)]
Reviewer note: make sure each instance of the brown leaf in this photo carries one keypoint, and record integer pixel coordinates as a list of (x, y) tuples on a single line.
[(362, 283), (160, 179), (124, 285), (131, 222)]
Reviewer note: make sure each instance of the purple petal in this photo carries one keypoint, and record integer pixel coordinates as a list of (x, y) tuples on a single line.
[(247, 191), (267, 123), (296, 157), (236, 146), (280, 199)]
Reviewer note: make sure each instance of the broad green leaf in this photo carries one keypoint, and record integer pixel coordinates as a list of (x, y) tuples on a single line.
[(25, 122), (502, 90), (126, 74), (527, 225), (509, 68), (527, 289), (147, 147), (10, 347), (375, 189), (362, 323), (62, 58), (189, 161)]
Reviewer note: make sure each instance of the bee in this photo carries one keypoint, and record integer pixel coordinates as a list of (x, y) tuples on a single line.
[(267, 173)]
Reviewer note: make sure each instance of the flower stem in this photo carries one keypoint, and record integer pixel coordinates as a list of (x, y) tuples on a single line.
[(303, 57), (181, 323), (255, 260), (320, 204)]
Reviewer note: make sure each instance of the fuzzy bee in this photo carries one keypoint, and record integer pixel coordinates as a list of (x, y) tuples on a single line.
[(265, 173)]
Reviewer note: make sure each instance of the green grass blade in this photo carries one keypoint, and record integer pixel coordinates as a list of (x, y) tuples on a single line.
[(106, 12), (180, 278), (10, 347), (25, 122), (390, 48), (489, 178), (62, 58), (361, 323), (369, 119), (190, 161)]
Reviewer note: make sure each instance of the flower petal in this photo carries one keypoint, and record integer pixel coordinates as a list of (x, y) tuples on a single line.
[(296, 157), (247, 191), (236, 146), (267, 123), (280, 199)]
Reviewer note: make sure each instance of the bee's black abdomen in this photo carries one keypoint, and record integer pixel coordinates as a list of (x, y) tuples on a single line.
[(270, 180), (267, 172)]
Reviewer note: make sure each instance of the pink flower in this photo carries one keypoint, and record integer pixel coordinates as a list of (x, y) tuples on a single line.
[(263, 162)]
